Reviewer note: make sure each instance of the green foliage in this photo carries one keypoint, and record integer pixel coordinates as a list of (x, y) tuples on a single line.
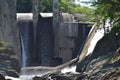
[(67, 6), (45, 5), (87, 14), (116, 29), (64, 5), (24, 6), (109, 9)]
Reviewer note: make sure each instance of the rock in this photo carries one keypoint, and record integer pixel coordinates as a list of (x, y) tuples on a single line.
[(39, 78), (81, 65), (58, 76), (66, 76), (106, 45), (116, 57), (2, 77), (15, 64), (105, 67), (12, 73), (62, 78), (3, 71), (8, 29), (103, 63), (10, 48), (9, 63)]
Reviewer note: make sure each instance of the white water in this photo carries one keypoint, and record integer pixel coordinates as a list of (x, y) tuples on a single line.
[(24, 16), (98, 35), (69, 69), (27, 77), (24, 57), (11, 78)]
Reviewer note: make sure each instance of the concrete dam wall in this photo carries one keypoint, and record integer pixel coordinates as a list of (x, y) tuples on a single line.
[(70, 36)]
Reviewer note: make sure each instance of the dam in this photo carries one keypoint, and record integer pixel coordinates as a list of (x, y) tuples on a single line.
[(71, 35)]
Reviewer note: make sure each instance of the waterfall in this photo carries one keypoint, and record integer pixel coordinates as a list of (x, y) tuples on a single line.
[(24, 57), (69, 69), (25, 24), (94, 36), (98, 35), (11, 78)]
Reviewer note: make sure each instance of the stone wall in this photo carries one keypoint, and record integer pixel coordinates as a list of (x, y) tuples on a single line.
[(8, 28)]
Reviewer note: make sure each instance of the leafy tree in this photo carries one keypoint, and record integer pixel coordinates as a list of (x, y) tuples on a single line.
[(109, 9), (68, 6), (64, 5), (87, 14)]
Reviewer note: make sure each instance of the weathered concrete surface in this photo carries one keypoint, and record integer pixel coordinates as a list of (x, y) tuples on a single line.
[(69, 38), (55, 23), (25, 25)]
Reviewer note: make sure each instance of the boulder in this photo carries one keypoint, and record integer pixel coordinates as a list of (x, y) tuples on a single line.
[(104, 62), (12, 73), (2, 77), (39, 78), (8, 29), (9, 63)]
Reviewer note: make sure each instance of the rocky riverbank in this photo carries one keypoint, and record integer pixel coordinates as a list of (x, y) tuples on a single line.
[(9, 64), (103, 68), (102, 64)]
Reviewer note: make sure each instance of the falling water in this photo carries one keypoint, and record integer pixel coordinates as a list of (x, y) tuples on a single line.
[(11, 78), (92, 39), (98, 35), (24, 57), (69, 69)]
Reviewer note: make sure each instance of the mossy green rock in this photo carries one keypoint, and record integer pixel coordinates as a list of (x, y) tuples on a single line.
[(8, 60)]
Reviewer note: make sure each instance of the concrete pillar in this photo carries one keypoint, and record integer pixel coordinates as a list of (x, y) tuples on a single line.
[(35, 23), (56, 26)]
